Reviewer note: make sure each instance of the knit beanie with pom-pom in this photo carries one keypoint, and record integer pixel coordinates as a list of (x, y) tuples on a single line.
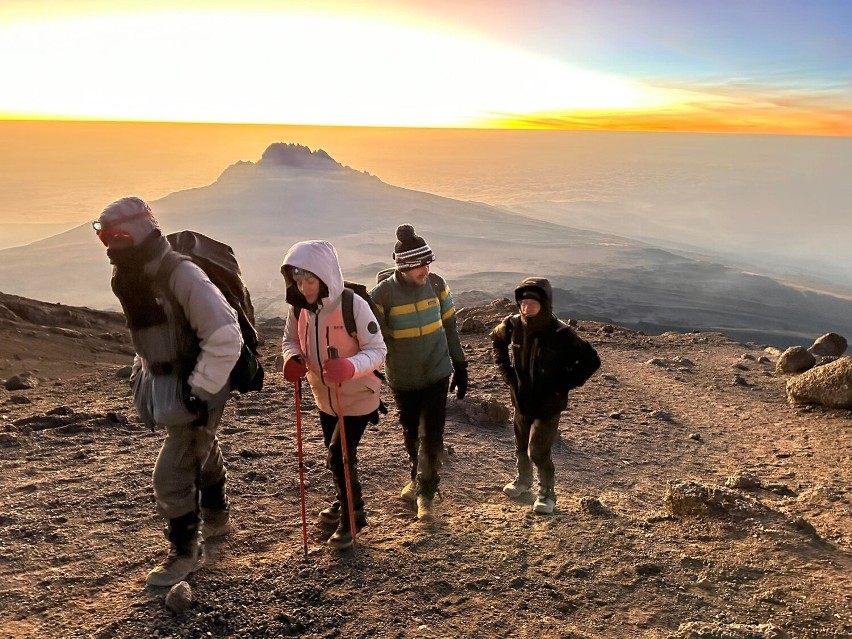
[(411, 250)]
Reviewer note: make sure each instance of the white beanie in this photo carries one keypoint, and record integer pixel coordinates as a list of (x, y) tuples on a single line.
[(131, 215)]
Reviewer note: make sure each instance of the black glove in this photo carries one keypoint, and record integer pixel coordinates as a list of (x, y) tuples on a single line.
[(194, 405), (459, 381)]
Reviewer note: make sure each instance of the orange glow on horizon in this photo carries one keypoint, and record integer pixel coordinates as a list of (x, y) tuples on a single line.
[(749, 121)]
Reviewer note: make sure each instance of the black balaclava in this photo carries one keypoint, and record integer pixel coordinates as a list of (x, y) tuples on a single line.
[(132, 286), (539, 289)]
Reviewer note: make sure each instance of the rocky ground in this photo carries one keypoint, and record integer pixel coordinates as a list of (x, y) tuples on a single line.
[(693, 502)]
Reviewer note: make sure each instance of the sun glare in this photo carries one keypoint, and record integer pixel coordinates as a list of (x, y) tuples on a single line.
[(271, 67)]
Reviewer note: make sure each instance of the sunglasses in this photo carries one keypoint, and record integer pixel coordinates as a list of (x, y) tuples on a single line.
[(300, 274), (107, 233)]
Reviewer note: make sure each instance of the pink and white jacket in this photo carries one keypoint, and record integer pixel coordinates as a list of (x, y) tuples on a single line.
[(310, 335)]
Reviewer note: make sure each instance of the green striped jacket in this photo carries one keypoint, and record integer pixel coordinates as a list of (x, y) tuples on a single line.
[(419, 327)]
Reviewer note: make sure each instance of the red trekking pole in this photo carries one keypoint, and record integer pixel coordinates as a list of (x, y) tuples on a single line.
[(332, 354), (297, 385)]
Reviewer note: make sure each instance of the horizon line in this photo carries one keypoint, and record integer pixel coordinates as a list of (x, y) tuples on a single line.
[(494, 125)]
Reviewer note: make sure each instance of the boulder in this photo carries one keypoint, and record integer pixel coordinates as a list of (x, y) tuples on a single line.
[(830, 344), (795, 360), (473, 325), (688, 497), (829, 385), (24, 381), (487, 410)]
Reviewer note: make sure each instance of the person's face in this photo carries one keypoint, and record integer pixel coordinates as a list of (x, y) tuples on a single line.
[(530, 308), (416, 275), (309, 286)]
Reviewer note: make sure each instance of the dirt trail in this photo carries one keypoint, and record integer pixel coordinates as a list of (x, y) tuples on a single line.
[(78, 530)]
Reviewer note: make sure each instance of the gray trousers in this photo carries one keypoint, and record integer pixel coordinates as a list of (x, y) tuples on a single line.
[(189, 461)]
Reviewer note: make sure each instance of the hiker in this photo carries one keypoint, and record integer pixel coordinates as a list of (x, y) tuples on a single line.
[(540, 359), (187, 341), (417, 317), (315, 322)]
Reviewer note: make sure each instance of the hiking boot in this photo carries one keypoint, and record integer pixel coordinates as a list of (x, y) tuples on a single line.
[(328, 518), (409, 493), (544, 504), (176, 567), (185, 554), (342, 538), (517, 487), (425, 508), (216, 523), (332, 513)]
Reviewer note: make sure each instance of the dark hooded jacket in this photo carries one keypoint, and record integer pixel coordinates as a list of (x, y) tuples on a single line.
[(541, 359)]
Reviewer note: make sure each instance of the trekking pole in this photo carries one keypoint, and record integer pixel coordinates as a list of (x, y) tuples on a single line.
[(332, 354), (297, 385)]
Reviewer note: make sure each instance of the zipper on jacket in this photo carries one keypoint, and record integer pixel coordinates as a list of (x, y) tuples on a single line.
[(533, 357), (319, 358)]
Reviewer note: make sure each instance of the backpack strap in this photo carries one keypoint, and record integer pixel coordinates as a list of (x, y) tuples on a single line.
[(347, 302), (436, 285), (167, 266)]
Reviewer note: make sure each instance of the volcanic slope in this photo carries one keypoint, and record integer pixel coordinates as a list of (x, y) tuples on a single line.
[(78, 530)]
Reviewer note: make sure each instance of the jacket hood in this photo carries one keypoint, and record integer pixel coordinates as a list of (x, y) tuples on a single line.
[(320, 258), (543, 289), (539, 284)]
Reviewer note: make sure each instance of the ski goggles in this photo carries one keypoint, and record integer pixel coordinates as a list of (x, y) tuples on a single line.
[(107, 231), (300, 274)]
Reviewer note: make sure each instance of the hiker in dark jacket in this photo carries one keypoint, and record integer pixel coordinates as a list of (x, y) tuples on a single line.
[(541, 359), (187, 341), (418, 320)]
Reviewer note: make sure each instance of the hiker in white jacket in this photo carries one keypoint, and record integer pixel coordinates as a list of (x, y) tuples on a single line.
[(315, 322), (187, 341)]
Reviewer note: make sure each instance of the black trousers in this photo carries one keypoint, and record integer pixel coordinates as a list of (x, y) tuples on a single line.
[(355, 425), (422, 414)]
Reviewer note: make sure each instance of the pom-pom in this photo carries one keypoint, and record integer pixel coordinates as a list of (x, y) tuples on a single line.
[(404, 232)]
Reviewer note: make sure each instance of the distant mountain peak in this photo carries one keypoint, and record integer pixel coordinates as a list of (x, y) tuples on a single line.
[(297, 155)]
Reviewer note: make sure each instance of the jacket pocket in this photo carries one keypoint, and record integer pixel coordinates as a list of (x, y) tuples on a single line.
[(169, 408), (141, 386)]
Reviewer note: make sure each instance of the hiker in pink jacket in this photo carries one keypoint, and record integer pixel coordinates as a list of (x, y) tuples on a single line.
[(315, 322)]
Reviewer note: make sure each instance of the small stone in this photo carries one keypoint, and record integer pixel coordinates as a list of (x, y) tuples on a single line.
[(695, 436), (124, 372), (745, 481), (615, 415), (20, 399), (594, 506), (9, 439), (179, 597)]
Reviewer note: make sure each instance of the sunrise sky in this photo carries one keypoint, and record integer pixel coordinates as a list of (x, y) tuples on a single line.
[(760, 66)]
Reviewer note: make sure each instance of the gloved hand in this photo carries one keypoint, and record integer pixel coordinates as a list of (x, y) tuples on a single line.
[(194, 404), (459, 381), (338, 370), (294, 369)]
